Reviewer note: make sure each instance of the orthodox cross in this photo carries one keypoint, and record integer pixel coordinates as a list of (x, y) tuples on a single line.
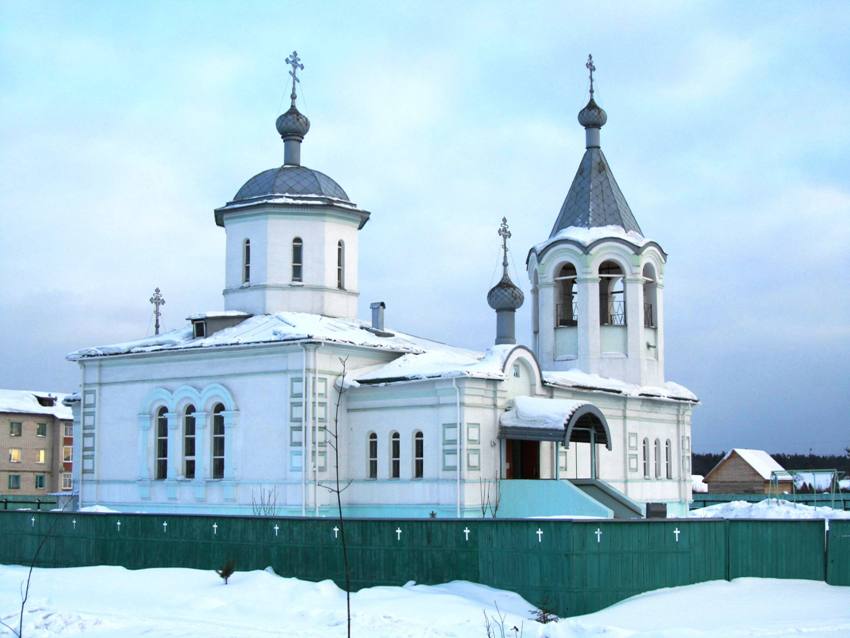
[(157, 300), (539, 533), (505, 234), (677, 532), (295, 62), (598, 533), (591, 68)]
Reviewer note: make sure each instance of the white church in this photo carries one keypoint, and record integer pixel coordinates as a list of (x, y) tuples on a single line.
[(238, 408)]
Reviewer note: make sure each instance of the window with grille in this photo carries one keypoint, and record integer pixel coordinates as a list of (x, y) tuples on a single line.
[(297, 259), (340, 265), (418, 455), (246, 261), (66, 481), (373, 456), (395, 455), (189, 442), (162, 444), (218, 442)]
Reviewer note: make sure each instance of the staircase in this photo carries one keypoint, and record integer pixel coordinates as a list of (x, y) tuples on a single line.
[(613, 499)]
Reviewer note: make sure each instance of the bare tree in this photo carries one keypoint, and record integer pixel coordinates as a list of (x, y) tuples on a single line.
[(337, 489), (264, 503)]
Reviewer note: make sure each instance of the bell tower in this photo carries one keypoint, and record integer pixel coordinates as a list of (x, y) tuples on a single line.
[(597, 283)]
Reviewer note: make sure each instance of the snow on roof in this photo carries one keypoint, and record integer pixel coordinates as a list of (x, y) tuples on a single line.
[(214, 314), (586, 236), (762, 462), (576, 378), (442, 362), (540, 412), (27, 402)]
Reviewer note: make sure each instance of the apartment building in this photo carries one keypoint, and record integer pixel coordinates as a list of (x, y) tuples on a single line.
[(36, 443)]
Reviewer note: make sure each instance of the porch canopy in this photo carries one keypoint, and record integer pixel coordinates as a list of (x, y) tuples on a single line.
[(561, 420)]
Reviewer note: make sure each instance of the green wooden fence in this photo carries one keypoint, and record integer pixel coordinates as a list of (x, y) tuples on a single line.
[(571, 567)]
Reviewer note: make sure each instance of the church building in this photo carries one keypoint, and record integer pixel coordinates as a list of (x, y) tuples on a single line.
[(246, 409)]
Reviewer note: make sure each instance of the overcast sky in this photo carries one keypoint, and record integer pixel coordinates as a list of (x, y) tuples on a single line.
[(122, 125)]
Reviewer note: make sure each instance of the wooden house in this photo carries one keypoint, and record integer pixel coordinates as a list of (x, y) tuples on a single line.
[(744, 471)]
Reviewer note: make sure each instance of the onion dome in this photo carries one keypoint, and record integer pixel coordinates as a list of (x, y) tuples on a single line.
[(293, 124), (505, 295), (592, 115)]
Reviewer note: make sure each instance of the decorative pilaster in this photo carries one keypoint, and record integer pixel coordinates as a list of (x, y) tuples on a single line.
[(174, 454), (634, 329), (202, 454), (589, 340), (231, 441), (546, 337), (143, 480)]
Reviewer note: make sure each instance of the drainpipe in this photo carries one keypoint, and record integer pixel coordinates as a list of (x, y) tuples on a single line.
[(303, 429), (316, 428), (458, 446)]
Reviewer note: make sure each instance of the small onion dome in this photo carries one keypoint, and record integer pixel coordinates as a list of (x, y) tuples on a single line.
[(505, 295), (293, 124), (592, 115)]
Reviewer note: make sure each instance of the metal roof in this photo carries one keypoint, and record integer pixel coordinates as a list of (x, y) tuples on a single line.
[(594, 198), (290, 180)]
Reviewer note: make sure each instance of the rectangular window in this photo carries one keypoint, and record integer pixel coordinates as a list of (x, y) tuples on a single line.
[(14, 481), (41, 429), (296, 412), (296, 387), (297, 259), (66, 481), (200, 329), (449, 459), (42, 456), (449, 433), (562, 459), (39, 481), (69, 430), (14, 455), (15, 428), (67, 453)]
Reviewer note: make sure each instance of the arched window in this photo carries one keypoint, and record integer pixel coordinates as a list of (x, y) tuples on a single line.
[(658, 458), (297, 259), (162, 444), (395, 455), (246, 261), (566, 307), (612, 295), (340, 265), (373, 456), (218, 442), (189, 442), (418, 455), (650, 297), (668, 458), (646, 458)]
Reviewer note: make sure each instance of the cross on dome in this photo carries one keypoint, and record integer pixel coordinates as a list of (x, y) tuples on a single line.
[(505, 234), (295, 62), (590, 67)]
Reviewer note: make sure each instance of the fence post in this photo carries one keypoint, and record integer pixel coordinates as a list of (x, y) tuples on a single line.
[(728, 550)]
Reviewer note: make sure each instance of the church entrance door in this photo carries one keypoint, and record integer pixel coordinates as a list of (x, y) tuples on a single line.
[(522, 459)]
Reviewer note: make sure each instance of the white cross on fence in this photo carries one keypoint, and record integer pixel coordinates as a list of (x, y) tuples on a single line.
[(539, 533), (466, 532), (74, 523), (676, 532), (276, 528), (215, 528), (118, 525), (598, 533), (336, 531), (33, 521), (398, 534), (164, 526)]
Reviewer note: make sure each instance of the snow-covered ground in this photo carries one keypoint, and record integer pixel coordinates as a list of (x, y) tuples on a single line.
[(768, 508), (112, 601)]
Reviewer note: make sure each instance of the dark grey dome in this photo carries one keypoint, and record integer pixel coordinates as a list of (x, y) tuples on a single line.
[(505, 295), (592, 115), (293, 124), (290, 180)]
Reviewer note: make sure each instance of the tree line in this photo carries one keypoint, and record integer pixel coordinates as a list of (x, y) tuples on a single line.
[(703, 462)]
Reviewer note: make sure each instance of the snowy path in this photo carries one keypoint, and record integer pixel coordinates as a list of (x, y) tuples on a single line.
[(172, 603)]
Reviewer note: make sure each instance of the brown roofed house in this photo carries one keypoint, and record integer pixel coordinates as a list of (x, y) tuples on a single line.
[(744, 471)]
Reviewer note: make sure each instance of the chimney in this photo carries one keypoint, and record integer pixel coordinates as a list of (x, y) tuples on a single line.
[(378, 314)]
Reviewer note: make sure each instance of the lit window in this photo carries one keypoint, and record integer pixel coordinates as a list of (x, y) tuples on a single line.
[(14, 455), (646, 458), (669, 458), (15, 428), (373, 456), (42, 456), (66, 481), (161, 444), (189, 442), (395, 455), (41, 429), (14, 481), (39, 481), (67, 453), (340, 265), (218, 442), (246, 261), (297, 259), (418, 455), (69, 430)]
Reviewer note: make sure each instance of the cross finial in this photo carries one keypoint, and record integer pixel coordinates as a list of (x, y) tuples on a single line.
[(295, 62), (157, 300), (590, 67), (505, 234)]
